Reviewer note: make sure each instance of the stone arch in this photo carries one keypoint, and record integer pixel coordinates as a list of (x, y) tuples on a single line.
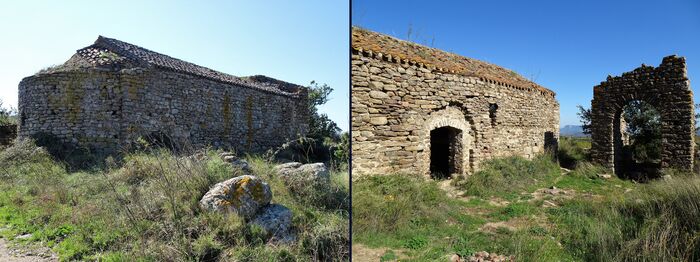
[(667, 89), (453, 118)]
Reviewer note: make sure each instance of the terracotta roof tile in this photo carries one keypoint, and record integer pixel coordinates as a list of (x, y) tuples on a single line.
[(117, 51)]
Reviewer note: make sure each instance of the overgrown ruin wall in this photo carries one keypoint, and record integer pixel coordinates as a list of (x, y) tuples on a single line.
[(667, 89), (107, 109), (396, 103)]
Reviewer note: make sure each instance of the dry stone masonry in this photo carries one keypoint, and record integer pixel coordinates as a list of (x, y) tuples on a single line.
[(424, 111), (667, 89), (111, 93)]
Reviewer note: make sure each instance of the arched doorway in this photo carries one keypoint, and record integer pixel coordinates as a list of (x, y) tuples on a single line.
[(447, 142), (667, 89), (445, 152)]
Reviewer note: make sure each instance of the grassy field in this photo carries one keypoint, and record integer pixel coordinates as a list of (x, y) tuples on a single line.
[(144, 207), (532, 210)]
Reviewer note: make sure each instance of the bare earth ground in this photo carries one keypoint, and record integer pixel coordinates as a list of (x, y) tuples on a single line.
[(9, 253), (361, 252)]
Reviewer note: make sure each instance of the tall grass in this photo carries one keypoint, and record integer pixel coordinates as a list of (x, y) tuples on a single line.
[(145, 207), (572, 151), (657, 222)]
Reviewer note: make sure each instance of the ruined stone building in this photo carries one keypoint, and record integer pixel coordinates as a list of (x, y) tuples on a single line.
[(110, 93), (424, 111), (667, 89)]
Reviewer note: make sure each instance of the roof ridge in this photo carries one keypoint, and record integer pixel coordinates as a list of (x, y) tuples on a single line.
[(148, 58), (367, 41)]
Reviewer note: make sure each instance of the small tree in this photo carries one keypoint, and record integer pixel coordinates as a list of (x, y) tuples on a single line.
[(320, 126), (7, 115), (584, 115)]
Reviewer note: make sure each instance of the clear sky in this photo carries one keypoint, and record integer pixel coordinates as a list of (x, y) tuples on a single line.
[(294, 41), (566, 46)]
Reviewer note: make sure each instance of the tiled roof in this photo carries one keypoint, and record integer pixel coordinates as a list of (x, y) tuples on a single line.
[(401, 51), (108, 50)]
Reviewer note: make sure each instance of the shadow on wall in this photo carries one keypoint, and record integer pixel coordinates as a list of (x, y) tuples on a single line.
[(551, 143)]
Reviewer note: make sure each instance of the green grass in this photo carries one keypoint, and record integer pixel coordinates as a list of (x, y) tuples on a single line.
[(145, 208), (605, 220), (507, 177)]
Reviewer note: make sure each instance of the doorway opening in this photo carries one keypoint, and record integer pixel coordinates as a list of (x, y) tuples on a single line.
[(445, 152), (637, 141)]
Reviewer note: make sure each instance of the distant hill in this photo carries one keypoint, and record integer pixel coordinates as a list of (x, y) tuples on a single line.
[(571, 130)]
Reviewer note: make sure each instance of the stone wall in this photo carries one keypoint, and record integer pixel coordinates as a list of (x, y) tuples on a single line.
[(8, 133), (108, 109), (396, 103), (667, 89)]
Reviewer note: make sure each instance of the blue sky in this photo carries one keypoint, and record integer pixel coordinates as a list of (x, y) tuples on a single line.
[(294, 41), (566, 46)]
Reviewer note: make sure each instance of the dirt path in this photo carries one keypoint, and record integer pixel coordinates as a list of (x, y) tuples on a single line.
[(10, 254), (361, 252)]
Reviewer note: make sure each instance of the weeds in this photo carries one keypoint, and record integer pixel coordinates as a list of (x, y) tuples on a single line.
[(145, 207)]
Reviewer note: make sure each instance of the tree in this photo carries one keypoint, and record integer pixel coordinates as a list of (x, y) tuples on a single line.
[(320, 125), (6, 115), (585, 117), (644, 129)]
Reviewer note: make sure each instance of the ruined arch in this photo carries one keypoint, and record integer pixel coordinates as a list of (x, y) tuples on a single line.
[(667, 89), (451, 122)]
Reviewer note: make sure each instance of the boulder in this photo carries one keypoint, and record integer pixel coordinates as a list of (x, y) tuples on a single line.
[(316, 172), (243, 195), (276, 219), (287, 168)]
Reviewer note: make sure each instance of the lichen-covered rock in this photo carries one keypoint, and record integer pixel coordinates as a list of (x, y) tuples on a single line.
[(244, 195), (276, 219)]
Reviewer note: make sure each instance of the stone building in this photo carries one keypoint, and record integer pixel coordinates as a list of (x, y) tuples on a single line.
[(110, 93), (423, 111), (667, 89)]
